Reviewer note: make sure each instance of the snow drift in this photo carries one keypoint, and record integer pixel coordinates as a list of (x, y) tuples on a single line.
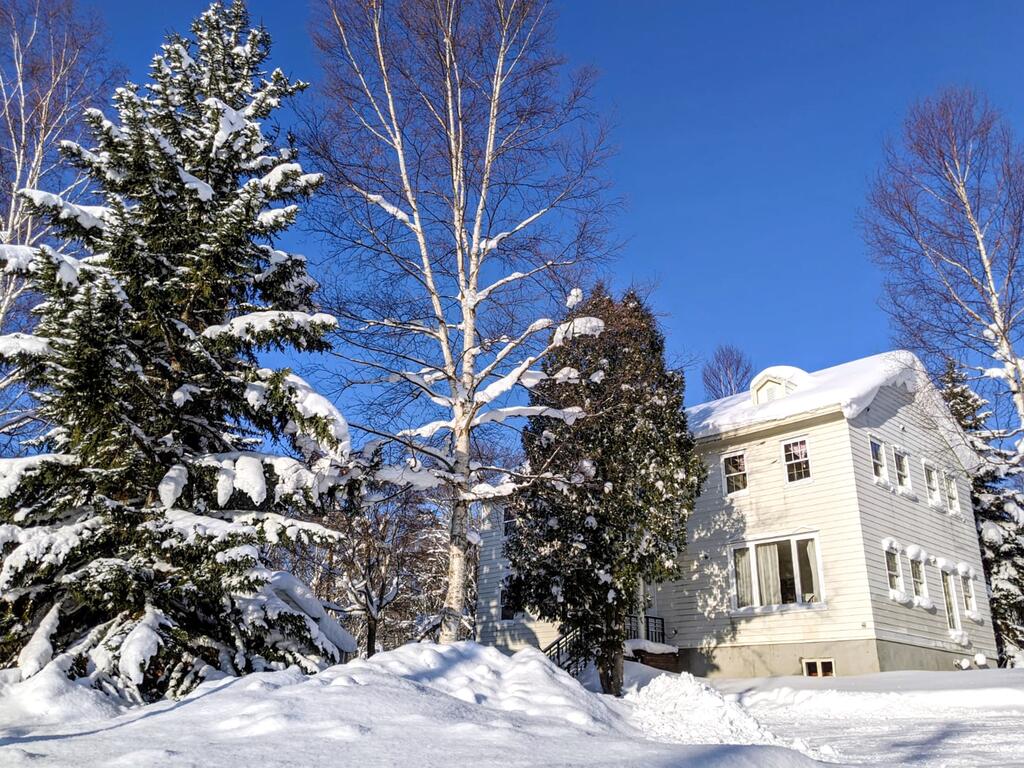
[(424, 705)]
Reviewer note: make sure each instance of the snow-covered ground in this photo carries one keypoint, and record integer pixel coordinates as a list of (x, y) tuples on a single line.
[(973, 718), (421, 705), (466, 705)]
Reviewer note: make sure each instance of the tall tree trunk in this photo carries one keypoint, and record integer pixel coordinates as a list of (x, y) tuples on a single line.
[(609, 657), (371, 636), (458, 544)]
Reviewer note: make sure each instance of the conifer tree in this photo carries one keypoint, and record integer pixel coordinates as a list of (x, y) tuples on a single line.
[(626, 477), (999, 514), (132, 543)]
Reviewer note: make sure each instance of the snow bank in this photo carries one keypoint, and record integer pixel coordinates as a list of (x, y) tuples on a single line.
[(526, 682), (850, 386), (682, 709), (425, 705)]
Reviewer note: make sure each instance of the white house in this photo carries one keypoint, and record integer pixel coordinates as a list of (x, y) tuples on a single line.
[(834, 535)]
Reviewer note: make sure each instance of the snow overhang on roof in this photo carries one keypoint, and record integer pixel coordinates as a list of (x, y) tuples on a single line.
[(850, 387)]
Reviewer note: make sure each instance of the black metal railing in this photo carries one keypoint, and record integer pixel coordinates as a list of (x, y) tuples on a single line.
[(569, 652)]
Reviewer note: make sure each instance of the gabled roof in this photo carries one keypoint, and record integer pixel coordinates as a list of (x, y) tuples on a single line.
[(850, 387)]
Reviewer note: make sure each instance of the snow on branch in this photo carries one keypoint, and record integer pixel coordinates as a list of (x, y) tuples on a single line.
[(568, 415), (248, 326), (13, 471), (580, 326), (14, 344), (87, 216)]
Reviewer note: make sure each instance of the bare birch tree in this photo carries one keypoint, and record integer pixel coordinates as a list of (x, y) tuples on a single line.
[(52, 67), (461, 198), (728, 372), (945, 220)]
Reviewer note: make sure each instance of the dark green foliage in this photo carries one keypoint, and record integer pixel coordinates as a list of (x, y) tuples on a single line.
[(999, 513), (144, 522), (583, 546)]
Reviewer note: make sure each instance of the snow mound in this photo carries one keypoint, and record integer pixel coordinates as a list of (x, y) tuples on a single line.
[(50, 697), (527, 682), (683, 710)]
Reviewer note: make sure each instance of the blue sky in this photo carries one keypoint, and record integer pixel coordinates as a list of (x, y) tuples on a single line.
[(747, 133)]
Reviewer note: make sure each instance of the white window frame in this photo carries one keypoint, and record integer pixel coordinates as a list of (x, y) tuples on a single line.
[(950, 602), (879, 474), (902, 584), (907, 486), (951, 493), (817, 663), (506, 521), (924, 579), (967, 595), (933, 501), (725, 479), (755, 587), (501, 607), (785, 464)]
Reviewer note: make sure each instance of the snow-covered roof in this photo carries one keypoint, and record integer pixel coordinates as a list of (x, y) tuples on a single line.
[(850, 386)]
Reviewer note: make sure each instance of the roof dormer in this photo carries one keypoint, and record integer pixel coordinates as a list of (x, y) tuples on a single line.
[(775, 382)]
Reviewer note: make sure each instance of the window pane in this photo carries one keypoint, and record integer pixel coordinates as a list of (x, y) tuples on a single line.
[(807, 560), (965, 589), (917, 575), (828, 668), (947, 594), (878, 460), (734, 464), (776, 578), (744, 583), (893, 568), (902, 470), (811, 668)]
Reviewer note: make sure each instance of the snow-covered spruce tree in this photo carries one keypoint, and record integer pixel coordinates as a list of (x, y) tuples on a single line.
[(131, 546), (582, 549), (999, 513)]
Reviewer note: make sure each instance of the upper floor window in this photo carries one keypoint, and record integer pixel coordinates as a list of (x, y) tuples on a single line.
[(508, 521), (780, 572), (902, 464), (798, 462), (894, 570), (878, 464), (949, 596), (734, 470), (931, 481), (952, 500), (918, 577), (967, 594)]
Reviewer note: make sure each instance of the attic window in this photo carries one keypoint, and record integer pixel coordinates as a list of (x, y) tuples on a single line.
[(768, 391)]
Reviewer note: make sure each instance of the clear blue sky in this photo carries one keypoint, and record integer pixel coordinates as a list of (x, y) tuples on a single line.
[(747, 132)]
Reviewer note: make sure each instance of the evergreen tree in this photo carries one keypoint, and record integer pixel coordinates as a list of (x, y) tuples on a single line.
[(626, 476), (998, 506), (132, 543)]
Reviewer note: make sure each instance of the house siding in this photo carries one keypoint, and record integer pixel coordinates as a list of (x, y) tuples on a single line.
[(897, 419), (698, 608), (491, 630)]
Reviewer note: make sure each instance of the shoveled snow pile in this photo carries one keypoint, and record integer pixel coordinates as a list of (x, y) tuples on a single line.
[(682, 709), (526, 682), (425, 705)]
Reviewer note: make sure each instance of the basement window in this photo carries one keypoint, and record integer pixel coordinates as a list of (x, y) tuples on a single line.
[(819, 667)]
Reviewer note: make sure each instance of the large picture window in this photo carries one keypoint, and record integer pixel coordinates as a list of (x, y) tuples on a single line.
[(778, 572), (798, 460)]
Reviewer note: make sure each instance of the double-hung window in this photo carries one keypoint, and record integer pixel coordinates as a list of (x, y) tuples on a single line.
[(508, 612), (931, 481), (734, 472), (967, 594), (952, 500), (917, 576), (779, 572), (879, 467), (902, 464), (949, 597), (893, 570), (797, 459), (508, 521)]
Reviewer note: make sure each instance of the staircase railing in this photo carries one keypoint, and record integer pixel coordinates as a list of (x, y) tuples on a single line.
[(569, 652)]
